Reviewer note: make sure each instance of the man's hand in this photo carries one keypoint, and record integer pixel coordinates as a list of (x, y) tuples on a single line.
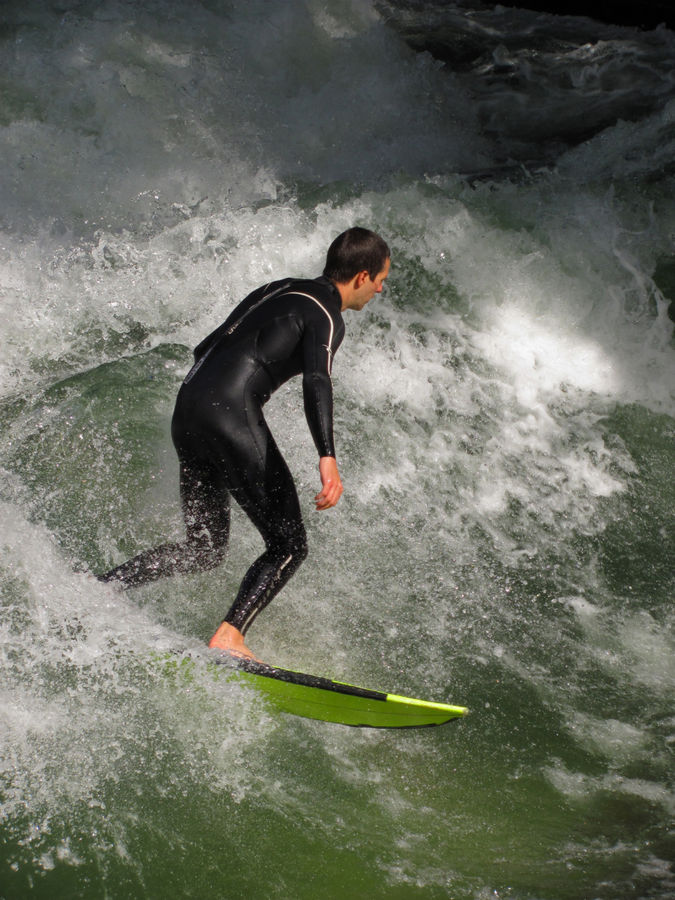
[(332, 484)]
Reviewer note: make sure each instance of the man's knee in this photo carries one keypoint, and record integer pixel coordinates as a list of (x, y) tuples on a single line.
[(291, 547), (206, 552), (298, 546)]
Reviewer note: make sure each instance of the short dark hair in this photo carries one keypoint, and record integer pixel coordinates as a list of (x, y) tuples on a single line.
[(354, 251)]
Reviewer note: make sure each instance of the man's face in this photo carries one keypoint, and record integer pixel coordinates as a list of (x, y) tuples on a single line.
[(370, 287)]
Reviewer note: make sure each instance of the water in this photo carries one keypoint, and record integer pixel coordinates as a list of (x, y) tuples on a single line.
[(504, 418)]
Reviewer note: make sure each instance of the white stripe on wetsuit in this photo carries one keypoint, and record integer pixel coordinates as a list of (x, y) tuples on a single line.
[(254, 612), (328, 316)]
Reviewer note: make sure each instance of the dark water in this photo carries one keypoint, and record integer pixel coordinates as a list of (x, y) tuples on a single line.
[(505, 426)]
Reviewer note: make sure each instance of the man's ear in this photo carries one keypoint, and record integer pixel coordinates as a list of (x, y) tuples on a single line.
[(361, 278)]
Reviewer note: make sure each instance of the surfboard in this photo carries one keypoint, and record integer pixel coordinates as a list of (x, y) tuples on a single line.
[(316, 697)]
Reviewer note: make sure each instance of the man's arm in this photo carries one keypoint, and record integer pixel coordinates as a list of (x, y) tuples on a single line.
[(317, 386), (319, 345)]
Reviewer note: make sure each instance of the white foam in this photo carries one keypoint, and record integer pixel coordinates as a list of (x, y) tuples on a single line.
[(580, 786), (618, 741)]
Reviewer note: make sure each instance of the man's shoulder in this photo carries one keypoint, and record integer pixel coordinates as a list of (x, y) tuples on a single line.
[(319, 289)]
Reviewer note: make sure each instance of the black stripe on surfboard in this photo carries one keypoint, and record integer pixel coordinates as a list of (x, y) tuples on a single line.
[(312, 681)]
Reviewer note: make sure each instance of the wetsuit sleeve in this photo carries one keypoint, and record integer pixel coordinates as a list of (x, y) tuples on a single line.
[(320, 342)]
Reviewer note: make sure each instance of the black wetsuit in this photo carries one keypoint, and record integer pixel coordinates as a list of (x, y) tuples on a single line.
[(225, 448)]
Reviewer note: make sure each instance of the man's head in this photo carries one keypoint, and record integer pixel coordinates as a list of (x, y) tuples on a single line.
[(354, 251), (357, 262)]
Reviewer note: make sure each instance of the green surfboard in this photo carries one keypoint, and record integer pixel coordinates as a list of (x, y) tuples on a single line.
[(315, 697)]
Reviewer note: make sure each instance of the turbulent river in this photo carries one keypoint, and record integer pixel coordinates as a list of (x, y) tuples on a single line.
[(505, 425)]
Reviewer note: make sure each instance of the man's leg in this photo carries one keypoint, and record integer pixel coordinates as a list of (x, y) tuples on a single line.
[(266, 492), (206, 510)]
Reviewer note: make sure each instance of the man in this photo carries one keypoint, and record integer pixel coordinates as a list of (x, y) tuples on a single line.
[(224, 445)]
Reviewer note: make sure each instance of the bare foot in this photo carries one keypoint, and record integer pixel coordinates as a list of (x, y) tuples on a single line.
[(230, 639)]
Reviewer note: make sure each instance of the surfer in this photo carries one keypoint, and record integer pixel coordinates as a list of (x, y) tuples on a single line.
[(224, 446)]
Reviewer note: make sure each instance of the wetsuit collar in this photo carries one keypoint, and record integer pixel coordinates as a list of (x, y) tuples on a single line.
[(335, 293)]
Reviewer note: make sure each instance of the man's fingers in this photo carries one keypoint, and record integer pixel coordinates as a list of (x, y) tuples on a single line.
[(329, 495)]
